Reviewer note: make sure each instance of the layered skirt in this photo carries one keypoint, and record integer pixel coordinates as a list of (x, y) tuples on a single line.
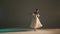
[(36, 23)]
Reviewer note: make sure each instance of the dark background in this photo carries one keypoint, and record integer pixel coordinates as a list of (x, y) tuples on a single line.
[(18, 13)]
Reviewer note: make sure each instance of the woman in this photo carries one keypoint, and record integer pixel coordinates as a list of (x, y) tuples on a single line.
[(36, 22)]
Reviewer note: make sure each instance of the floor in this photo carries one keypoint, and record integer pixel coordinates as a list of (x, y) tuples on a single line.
[(30, 31)]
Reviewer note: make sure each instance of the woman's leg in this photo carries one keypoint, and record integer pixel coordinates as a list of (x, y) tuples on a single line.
[(35, 29)]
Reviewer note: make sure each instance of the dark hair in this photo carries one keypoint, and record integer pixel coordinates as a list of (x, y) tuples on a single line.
[(37, 9)]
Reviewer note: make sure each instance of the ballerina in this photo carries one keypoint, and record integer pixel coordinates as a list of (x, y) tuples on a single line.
[(35, 21)]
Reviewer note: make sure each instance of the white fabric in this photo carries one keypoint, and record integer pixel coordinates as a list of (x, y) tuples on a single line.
[(36, 22)]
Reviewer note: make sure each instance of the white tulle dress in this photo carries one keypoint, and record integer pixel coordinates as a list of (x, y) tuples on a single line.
[(36, 22)]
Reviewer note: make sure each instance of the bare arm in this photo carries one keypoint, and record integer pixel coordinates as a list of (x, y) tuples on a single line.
[(33, 14)]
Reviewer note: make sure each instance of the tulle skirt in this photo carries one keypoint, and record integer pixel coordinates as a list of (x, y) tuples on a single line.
[(36, 23)]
